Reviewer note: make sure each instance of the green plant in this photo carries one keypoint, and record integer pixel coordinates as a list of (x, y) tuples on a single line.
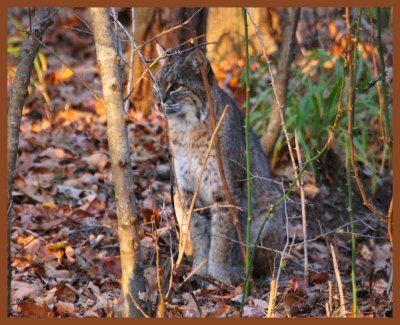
[(312, 106)]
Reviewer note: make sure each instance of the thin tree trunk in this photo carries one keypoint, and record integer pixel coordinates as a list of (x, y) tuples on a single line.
[(19, 92), (274, 127), (22, 79), (107, 58)]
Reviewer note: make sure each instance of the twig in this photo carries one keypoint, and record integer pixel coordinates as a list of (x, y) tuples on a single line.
[(193, 272), (303, 206), (352, 50), (169, 30), (131, 59), (217, 147), (161, 303), (332, 231), (85, 84), (218, 206), (183, 235), (147, 68), (288, 247), (138, 306), (332, 129), (171, 253), (390, 222), (117, 40), (342, 307), (385, 112)]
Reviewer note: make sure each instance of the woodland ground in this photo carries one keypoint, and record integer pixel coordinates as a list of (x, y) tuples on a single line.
[(64, 236)]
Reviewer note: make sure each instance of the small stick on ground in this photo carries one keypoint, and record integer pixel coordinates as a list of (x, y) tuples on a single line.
[(330, 305), (271, 302), (342, 307)]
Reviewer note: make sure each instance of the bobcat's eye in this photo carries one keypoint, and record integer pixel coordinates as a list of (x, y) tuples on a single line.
[(174, 87)]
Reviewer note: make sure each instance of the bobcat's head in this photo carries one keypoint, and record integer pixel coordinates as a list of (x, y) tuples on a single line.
[(182, 88)]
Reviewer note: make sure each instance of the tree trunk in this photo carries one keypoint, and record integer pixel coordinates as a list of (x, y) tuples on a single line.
[(132, 271), (19, 92), (274, 127), (225, 26)]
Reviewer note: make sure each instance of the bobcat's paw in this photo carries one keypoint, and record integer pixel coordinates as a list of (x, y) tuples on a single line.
[(221, 274), (238, 274)]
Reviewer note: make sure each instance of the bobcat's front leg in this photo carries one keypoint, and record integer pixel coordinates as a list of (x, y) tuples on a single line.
[(200, 237), (198, 243), (222, 234)]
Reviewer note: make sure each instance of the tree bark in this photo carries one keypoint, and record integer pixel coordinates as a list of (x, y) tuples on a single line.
[(19, 92), (107, 58), (274, 127)]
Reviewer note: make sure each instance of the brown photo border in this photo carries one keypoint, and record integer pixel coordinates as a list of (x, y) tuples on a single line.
[(5, 4)]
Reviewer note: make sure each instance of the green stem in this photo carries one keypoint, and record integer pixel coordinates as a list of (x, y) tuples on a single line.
[(248, 164), (352, 226), (349, 148)]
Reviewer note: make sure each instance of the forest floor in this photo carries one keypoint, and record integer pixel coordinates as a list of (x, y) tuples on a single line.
[(64, 240)]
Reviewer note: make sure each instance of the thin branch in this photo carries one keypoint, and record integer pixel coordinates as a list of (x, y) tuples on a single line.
[(161, 303), (288, 247), (137, 305), (169, 30), (303, 206), (383, 74), (147, 68), (131, 59), (390, 222)]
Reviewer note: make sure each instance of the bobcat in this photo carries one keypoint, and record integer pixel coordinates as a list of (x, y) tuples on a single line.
[(212, 231)]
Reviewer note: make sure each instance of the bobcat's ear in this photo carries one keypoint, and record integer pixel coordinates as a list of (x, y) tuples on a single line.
[(193, 62), (161, 52)]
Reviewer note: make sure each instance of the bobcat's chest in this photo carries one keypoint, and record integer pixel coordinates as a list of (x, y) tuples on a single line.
[(189, 155)]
